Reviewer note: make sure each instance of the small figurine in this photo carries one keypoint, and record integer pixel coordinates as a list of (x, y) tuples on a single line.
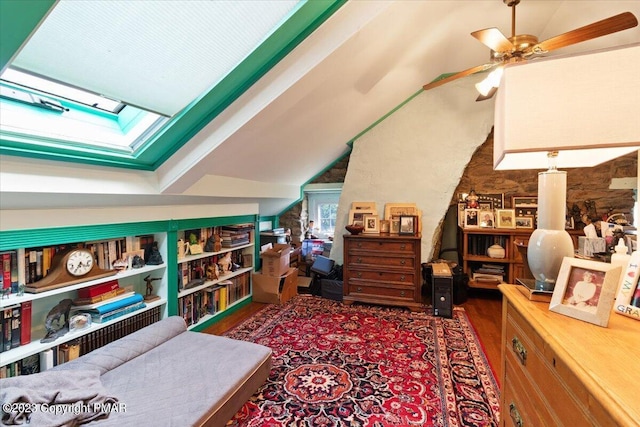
[(55, 314), (149, 296), (152, 254), (225, 263), (137, 262), (212, 271)]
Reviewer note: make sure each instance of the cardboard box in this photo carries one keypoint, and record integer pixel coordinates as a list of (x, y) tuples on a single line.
[(275, 261), (275, 290)]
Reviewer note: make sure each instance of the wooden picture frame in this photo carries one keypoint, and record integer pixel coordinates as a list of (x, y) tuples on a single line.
[(408, 224), (496, 200), (370, 206), (485, 206), (399, 209), (461, 207), (627, 288), (356, 216), (394, 225), (486, 219), (524, 202), (505, 218), (525, 222), (371, 224), (471, 218), (585, 290)]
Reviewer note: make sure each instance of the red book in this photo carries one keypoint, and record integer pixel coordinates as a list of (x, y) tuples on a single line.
[(99, 289), (25, 331), (6, 270)]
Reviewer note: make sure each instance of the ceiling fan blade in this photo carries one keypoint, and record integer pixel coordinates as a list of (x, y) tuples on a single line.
[(457, 76), (489, 95), (494, 40), (601, 28)]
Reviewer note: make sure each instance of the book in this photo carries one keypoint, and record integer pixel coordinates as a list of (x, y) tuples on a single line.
[(528, 288), (7, 314), (98, 289), (5, 258), (110, 306), (46, 360), (15, 325), (30, 364), (99, 298), (25, 330), (114, 314)]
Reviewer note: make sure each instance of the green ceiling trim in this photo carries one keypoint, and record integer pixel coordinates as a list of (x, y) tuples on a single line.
[(17, 21), (306, 19)]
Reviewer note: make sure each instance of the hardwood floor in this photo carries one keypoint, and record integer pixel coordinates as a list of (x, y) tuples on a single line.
[(483, 307)]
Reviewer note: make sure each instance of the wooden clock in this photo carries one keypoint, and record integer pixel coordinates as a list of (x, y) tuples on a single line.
[(69, 267)]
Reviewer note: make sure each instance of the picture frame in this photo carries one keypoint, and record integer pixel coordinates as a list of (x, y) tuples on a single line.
[(496, 199), (356, 216), (525, 222), (485, 206), (471, 218), (569, 223), (371, 224), (585, 290), (524, 202), (486, 218), (399, 209), (394, 225), (408, 224), (461, 207), (627, 288), (505, 218), (371, 206)]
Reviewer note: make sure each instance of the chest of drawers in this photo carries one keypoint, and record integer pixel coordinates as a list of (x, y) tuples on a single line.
[(383, 269), (560, 371)]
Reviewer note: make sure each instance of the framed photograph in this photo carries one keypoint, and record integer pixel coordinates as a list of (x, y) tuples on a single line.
[(525, 222), (497, 200), (569, 223), (407, 224), (399, 209), (585, 290), (505, 218), (471, 218), (371, 206), (524, 202), (371, 224), (356, 216), (486, 219), (627, 287), (394, 225), (485, 206)]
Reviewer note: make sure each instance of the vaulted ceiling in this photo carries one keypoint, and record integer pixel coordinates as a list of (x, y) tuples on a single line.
[(364, 61)]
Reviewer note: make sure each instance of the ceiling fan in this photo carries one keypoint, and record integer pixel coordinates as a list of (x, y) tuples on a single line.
[(521, 47)]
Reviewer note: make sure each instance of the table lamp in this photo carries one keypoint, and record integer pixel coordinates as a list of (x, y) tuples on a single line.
[(565, 111)]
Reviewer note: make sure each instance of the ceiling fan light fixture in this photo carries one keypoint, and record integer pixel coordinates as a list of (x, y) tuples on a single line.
[(491, 81)]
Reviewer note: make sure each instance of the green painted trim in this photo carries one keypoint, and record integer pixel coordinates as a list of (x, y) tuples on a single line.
[(306, 19), (17, 21), (219, 316), (12, 239), (184, 224)]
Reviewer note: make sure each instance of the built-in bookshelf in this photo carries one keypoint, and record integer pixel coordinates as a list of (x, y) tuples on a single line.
[(218, 278), (36, 254)]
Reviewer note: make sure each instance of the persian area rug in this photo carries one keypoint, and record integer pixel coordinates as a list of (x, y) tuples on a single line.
[(361, 365)]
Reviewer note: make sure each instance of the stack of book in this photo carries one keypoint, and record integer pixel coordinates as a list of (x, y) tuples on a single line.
[(492, 273), (232, 236), (107, 301)]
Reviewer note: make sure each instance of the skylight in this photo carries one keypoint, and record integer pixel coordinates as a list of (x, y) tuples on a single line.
[(154, 71)]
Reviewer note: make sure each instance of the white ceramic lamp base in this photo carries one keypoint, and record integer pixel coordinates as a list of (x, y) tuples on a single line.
[(547, 249)]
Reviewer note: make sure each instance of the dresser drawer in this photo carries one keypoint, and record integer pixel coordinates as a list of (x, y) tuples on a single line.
[(378, 261), (380, 289), (382, 246), (535, 362), (400, 277)]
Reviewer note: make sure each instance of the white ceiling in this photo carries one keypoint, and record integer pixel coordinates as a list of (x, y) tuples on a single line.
[(367, 59)]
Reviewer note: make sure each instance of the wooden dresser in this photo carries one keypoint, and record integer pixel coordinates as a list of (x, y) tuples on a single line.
[(383, 269), (558, 371)]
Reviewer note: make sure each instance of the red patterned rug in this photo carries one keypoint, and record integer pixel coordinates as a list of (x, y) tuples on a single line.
[(360, 365)]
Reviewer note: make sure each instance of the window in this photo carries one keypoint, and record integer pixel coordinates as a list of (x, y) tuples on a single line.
[(323, 209)]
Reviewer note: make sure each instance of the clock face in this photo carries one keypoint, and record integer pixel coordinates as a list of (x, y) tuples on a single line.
[(79, 262)]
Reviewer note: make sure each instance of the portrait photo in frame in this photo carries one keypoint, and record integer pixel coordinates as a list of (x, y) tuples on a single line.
[(525, 222), (356, 216), (407, 224), (471, 218), (486, 219), (394, 225), (505, 218), (585, 290), (371, 224)]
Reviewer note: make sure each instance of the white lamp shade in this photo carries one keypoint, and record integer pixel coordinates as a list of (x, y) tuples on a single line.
[(586, 107)]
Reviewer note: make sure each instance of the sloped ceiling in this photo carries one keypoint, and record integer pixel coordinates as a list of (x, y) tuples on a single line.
[(367, 59)]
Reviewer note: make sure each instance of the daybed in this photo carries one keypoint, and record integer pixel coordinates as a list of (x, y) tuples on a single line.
[(164, 375)]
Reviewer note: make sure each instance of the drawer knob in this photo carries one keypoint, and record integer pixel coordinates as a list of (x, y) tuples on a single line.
[(402, 293), (359, 259), (515, 415), (403, 262), (402, 278), (359, 274), (359, 289), (359, 244), (519, 350), (403, 246)]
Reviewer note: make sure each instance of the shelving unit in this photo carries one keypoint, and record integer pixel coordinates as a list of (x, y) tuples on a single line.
[(193, 302), (29, 240), (475, 241)]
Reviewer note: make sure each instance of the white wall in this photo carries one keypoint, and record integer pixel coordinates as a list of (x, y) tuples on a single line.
[(417, 155)]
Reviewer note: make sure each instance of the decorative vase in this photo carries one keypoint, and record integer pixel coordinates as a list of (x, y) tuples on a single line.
[(496, 251)]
